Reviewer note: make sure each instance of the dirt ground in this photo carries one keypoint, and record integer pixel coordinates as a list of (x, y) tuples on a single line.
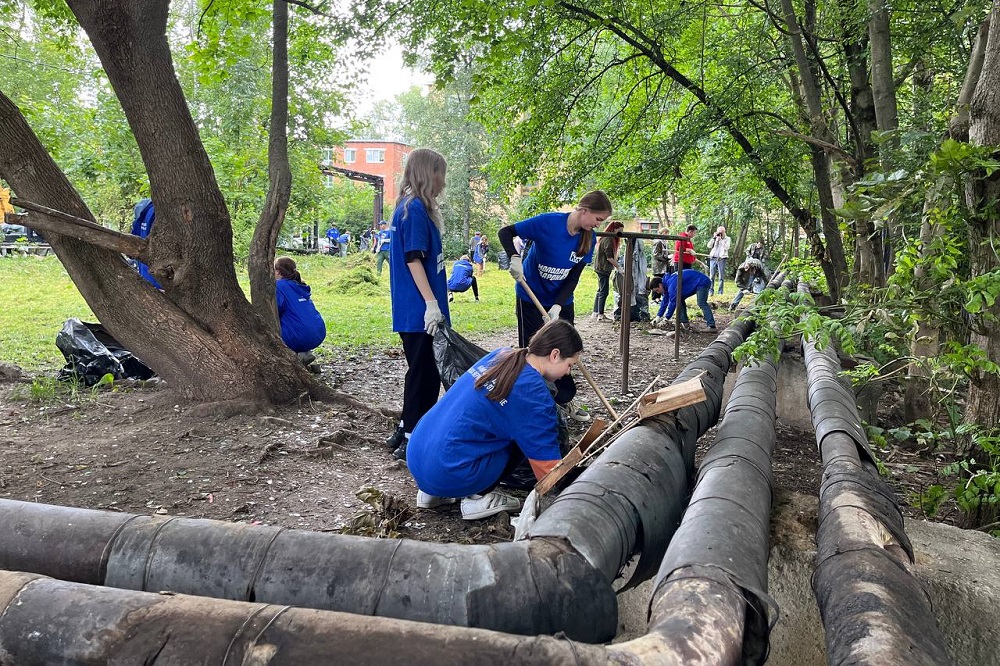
[(137, 451)]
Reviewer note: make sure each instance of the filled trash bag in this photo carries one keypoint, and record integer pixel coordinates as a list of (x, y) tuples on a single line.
[(91, 352), (454, 355)]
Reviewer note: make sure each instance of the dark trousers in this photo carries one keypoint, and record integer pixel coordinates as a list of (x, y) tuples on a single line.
[(529, 320), (601, 299), (516, 459), (422, 383), (475, 288)]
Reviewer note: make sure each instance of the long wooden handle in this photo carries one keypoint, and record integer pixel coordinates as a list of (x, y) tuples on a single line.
[(586, 373)]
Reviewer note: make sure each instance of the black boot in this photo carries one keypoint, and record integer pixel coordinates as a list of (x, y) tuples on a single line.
[(395, 439)]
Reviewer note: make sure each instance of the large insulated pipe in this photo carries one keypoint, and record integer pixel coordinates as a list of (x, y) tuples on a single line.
[(559, 579), (710, 600), (45, 621), (873, 609)]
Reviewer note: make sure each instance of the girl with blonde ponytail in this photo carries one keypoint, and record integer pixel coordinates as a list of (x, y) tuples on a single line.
[(497, 414)]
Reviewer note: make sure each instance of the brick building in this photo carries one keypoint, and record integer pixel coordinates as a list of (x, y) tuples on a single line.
[(379, 158)]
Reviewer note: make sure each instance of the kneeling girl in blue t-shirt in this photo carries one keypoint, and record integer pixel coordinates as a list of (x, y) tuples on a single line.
[(496, 414)]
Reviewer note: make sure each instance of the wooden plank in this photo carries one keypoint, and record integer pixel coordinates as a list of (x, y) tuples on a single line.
[(570, 460), (672, 398)]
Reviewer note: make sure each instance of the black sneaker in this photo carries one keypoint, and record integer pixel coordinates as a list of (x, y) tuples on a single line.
[(400, 452), (395, 439)]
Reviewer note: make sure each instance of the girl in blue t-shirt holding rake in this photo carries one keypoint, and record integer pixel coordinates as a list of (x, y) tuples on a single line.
[(496, 415), (562, 244), (418, 285)]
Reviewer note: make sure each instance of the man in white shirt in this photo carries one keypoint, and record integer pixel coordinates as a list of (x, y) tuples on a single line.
[(718, 253)]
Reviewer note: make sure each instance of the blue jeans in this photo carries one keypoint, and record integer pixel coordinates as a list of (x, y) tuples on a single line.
[(702, 296), (717, 264)]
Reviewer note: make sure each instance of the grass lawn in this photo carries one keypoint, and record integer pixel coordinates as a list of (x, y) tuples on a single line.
[(39, 297)]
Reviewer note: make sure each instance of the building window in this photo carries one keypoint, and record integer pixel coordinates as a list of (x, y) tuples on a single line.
[(375, 155), (350, 155), (327, 159), (328, 179), (648, 227)]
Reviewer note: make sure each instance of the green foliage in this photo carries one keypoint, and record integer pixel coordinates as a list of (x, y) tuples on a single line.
[(783, 315), (973, 483)]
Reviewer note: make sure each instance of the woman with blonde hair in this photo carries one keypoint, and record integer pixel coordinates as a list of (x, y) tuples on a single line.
[(418, 285), (562, 245), (496, 415)]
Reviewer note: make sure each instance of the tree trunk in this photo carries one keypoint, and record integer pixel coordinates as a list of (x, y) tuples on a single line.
[(835, 266), (265, 235), (982, 194), (883, 87), (869, 268), (200, 333)]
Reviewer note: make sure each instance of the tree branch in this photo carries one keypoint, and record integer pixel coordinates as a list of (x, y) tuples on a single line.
[(83, 229), (824, 145)]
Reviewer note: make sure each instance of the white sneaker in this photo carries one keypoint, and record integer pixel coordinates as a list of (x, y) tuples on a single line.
[(577, 412), (428, 501), (475, 507)]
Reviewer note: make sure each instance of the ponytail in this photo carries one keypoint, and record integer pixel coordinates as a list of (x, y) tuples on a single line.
[(501, 376), (595, 200), (285, 266)]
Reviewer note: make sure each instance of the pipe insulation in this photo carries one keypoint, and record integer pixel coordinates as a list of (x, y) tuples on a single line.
[(873, 609), (720, 551), (628, 501)]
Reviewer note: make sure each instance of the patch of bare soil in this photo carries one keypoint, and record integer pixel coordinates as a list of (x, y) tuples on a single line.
[(138, 451)]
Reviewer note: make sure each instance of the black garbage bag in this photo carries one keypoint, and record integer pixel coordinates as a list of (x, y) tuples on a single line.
[(454, 355), (91, 352)]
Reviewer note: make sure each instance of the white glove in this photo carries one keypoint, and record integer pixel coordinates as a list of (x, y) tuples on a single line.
[(554, 312), (516, 269), (433, 317), (620, 269)]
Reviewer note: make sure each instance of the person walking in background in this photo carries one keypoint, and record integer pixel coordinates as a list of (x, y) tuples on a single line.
[(562, 244), (462, 278), (684, 250), (302, 326), (332, 240), (381, 246), (483, 251), (718, 253), (496, 415), (418, 286), (693, 282), (606, 263)]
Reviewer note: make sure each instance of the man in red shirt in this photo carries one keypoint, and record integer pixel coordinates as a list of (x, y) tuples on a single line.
[(686, 247)]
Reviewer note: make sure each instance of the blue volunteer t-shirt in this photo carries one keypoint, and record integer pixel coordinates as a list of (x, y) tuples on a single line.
[(384, 239), (461, 276), (460, 447), (415, 233), (692, 282), (333, 234), (302, 326), (551, 257)]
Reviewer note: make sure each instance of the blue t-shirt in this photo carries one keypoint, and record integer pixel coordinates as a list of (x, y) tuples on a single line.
[(551, 257), (302, 326), (461, 446), (384, 239), (692, 282), (461, 276), (477, 249), (142, 223), (333, 234), (344, 239), (415, 233)]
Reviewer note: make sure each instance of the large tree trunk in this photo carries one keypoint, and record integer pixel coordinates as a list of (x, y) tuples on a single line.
[(200, 333), (982, 194), (883, 87), (265, 235)]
